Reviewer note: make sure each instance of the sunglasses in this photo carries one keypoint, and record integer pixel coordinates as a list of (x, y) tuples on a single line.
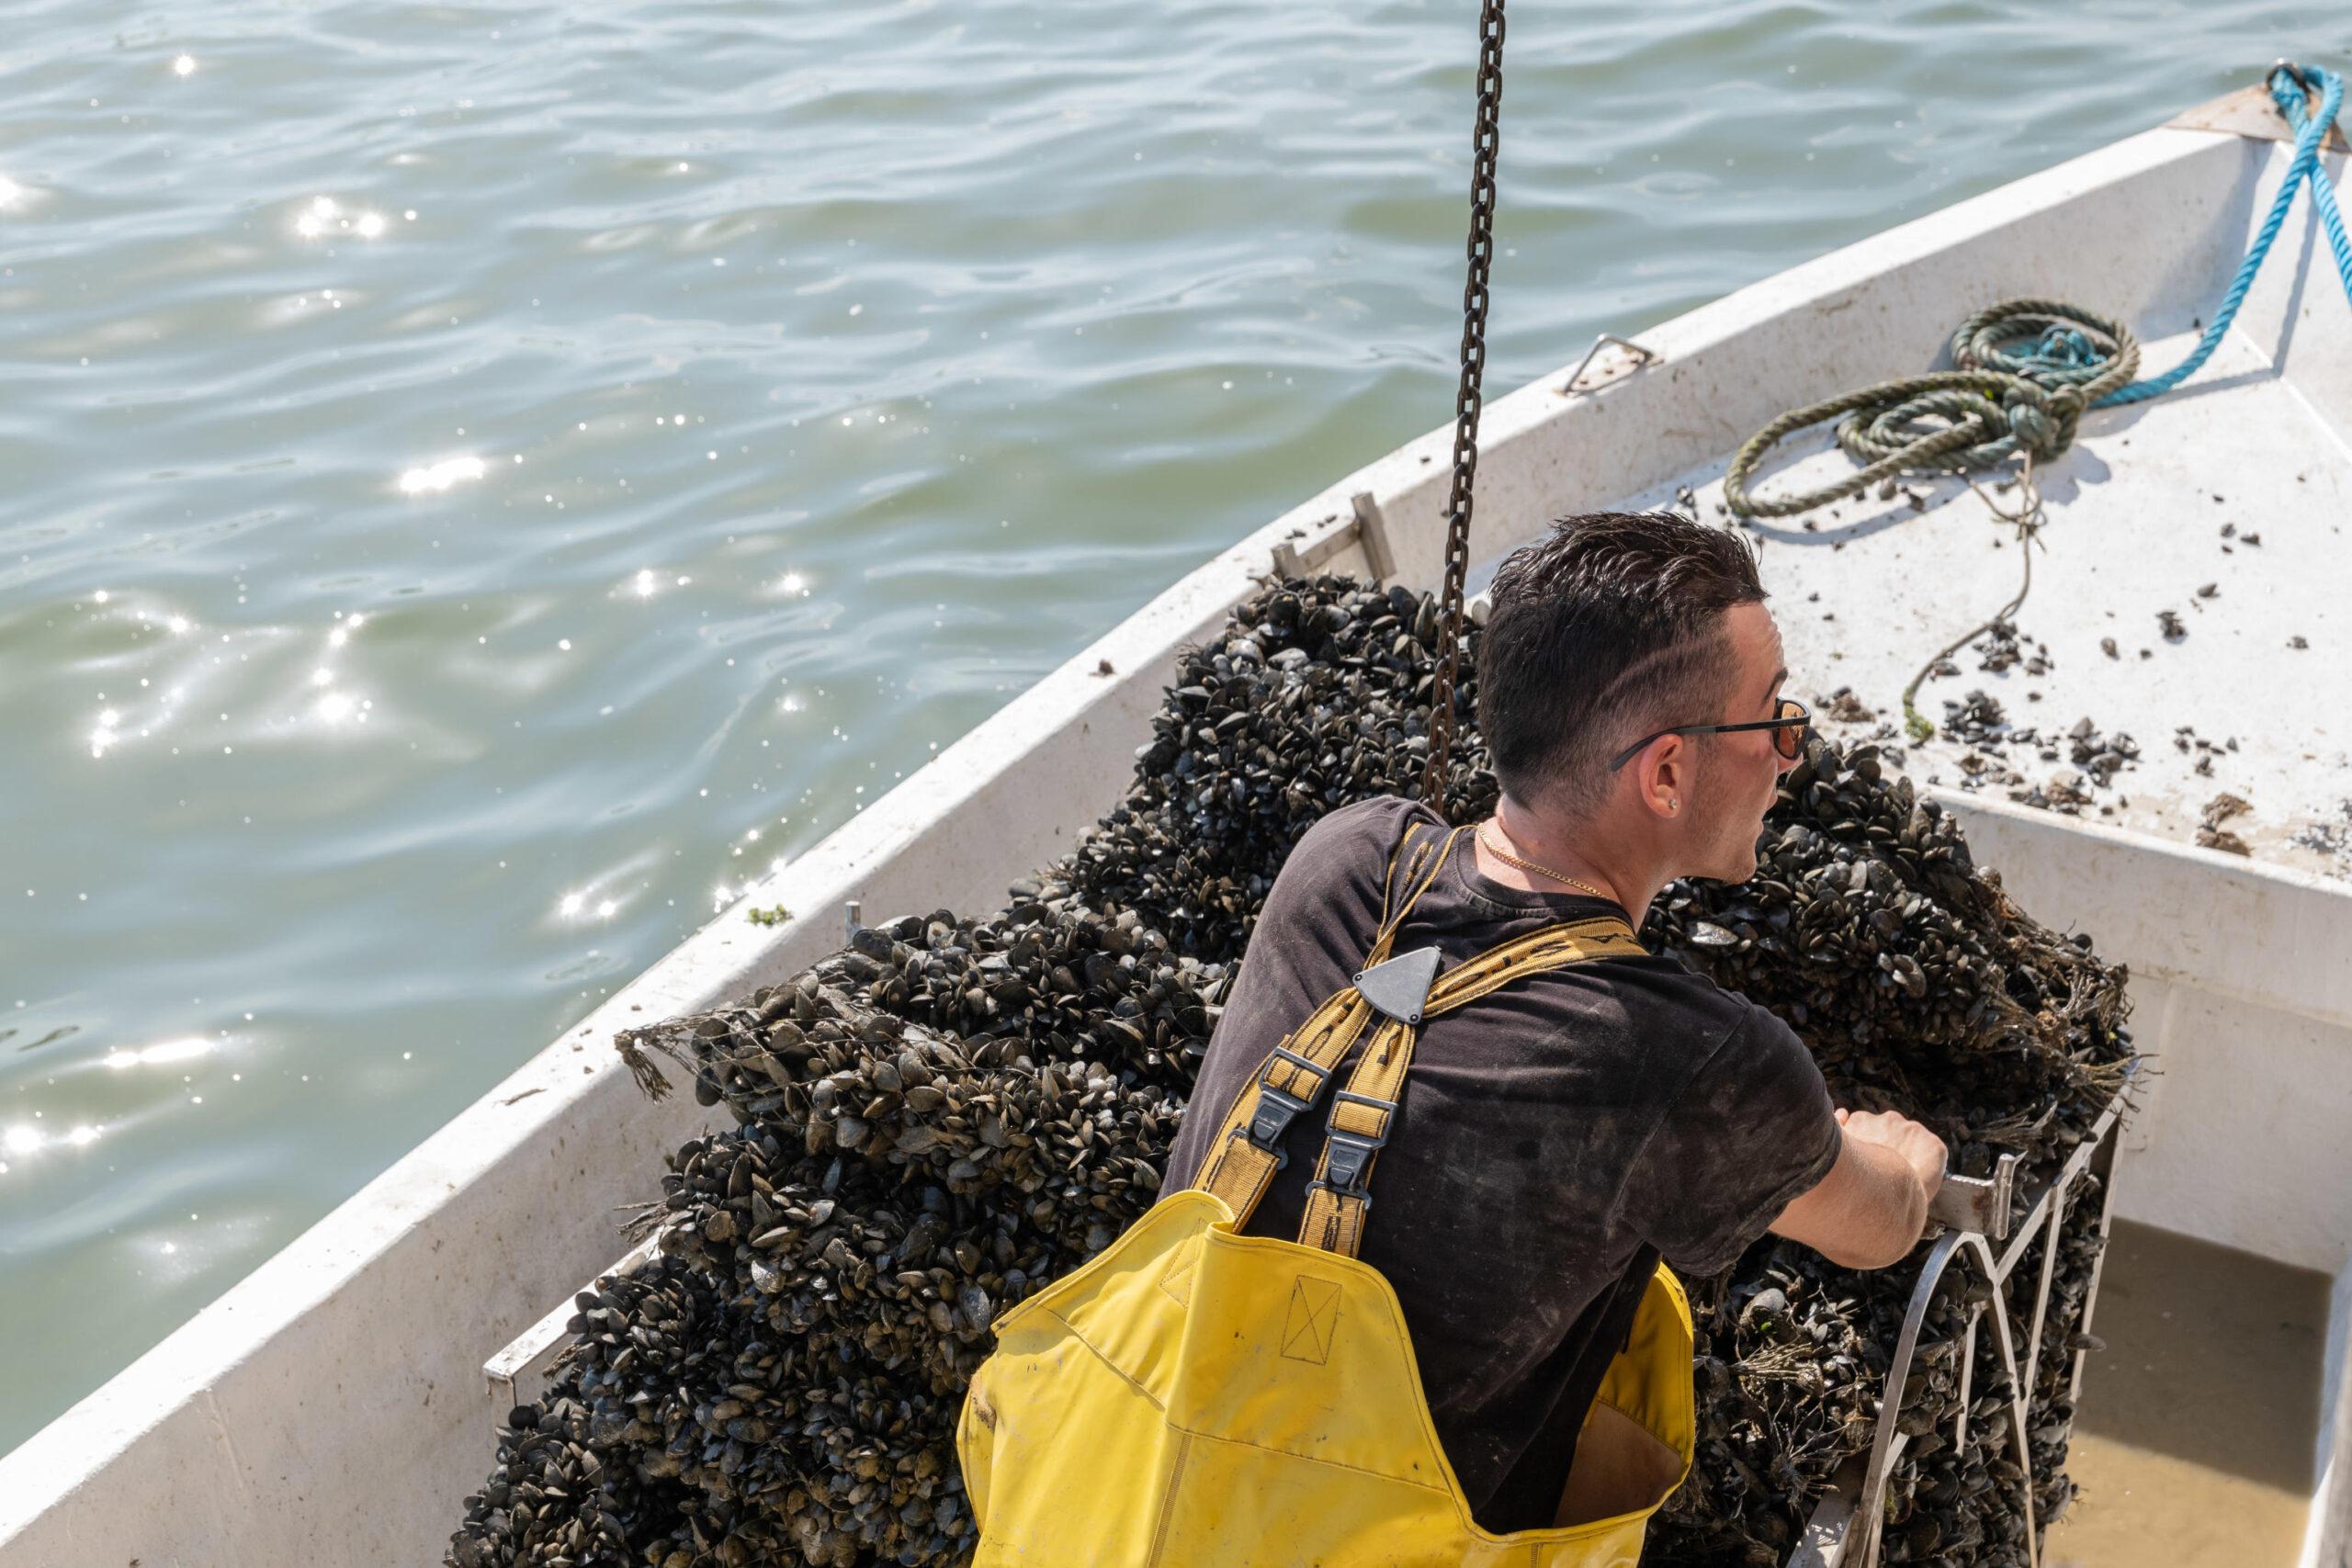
[(1788, 724)]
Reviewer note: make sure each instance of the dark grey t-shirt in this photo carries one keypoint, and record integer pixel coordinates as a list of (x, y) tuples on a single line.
[(1554, 1138)]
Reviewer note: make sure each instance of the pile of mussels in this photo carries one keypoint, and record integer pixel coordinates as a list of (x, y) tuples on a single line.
[(951, 1112)]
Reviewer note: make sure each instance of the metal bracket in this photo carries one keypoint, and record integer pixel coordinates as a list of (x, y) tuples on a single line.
[(519, 1374), (1978, 1203), (2251, 113), (1368, 527), (1576, 381), (1372, 530), (1400, 988)]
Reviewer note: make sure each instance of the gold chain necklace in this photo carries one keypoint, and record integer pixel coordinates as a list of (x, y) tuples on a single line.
[(1509, 859)]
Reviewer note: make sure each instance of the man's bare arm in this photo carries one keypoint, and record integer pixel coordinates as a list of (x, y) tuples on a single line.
[(1869, 1211)]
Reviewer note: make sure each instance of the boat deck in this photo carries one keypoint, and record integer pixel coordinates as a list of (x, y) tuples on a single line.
[(2193, 1449), (2252, 697)]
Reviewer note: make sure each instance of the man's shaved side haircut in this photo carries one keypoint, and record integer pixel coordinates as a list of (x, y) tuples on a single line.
[(1608, 629)]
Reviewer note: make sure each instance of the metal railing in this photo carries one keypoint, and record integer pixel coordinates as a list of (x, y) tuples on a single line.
[(1847, 1526)]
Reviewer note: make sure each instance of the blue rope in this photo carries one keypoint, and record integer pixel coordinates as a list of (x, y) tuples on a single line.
[(2287, 91), (2322, 194)]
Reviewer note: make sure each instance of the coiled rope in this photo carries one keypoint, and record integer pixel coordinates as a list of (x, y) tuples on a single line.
[(2026, 369), (2004, 398)]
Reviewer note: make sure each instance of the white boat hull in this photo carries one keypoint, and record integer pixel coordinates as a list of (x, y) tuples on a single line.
[(330, 1408)]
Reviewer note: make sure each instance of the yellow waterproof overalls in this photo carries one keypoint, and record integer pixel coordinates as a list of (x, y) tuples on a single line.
[(1195, 1398)]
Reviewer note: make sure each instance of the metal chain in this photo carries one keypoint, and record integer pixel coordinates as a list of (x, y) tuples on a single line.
[(1486, 143)]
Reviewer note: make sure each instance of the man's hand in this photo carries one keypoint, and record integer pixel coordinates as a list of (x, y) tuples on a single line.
[(1920, 1149), (1869, 1211)]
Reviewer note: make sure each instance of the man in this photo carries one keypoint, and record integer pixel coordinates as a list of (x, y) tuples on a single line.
[(1599, 1116)]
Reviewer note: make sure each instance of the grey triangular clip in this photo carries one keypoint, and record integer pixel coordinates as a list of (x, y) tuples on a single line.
[(1400, 988)]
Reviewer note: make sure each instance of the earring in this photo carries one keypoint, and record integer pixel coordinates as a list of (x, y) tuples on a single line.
[(1673, 803)]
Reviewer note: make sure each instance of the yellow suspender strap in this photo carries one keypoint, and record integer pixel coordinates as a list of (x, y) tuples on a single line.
[(1248, 1148), (1337, 1201)]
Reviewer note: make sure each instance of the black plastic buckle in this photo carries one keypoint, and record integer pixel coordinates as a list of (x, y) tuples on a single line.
[(1278, 1108), (1348, 1158)]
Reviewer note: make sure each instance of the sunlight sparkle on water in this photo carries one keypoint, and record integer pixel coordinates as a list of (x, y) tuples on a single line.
[(575, 906), (326, 213), (27, 1139), (185, 1049), (440, 476)]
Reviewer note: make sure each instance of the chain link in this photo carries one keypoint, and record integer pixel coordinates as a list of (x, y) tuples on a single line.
[(1468, 402)]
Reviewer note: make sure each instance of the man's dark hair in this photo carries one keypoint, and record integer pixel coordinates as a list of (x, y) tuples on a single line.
[(1608, 629)]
